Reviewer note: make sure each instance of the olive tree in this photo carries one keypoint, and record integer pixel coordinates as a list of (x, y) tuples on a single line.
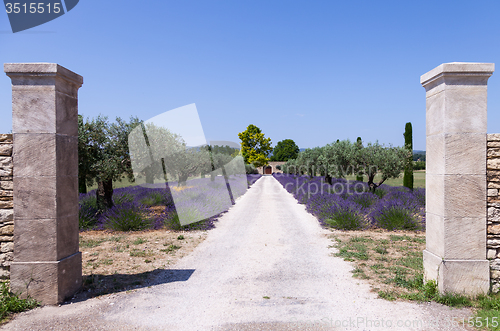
[(103, 155)]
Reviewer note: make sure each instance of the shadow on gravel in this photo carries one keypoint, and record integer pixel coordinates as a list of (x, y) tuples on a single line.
[(96, 285)]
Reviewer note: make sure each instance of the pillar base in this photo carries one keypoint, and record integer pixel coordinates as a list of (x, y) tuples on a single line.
[(48, 282), (469, 277)]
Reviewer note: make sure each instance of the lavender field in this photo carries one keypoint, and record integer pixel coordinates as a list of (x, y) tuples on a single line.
[(159, 206), (349, 205)]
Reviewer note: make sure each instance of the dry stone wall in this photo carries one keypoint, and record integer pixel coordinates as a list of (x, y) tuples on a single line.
[(6, 206)]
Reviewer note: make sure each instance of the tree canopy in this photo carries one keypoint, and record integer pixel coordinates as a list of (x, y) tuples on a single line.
[(343, 158), (103, 155), (255, 147), (285, 150)]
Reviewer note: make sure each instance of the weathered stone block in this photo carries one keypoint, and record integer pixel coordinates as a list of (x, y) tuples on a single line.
[(6, 258), (491, 254), (67, 236), (51, 282), (434, 233), (35, 197), (6, 204), (35, 240), (6, 238), (6, 137), (457, 154), (493, 143), (493, 153), (493, 164), (493, 175), (494, 229), (6, 185), (493, 137), (7, 230), (5, 161), (447, 195), (7, 247), (492, 192), (469, 277), (35, 154), (455, 230), (495, 185), (6, 215), (6, 194), (4, 272), (5, 149)]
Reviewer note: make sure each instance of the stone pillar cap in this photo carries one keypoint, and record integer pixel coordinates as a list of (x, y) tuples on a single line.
[(41, 69), (456, 68)]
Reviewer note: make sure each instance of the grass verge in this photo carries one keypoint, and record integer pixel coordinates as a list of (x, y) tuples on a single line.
[(11, 303), (392, 263), (122, 261)]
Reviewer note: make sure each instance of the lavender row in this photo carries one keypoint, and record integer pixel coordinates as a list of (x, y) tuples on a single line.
[(141, 208), (350, 205)]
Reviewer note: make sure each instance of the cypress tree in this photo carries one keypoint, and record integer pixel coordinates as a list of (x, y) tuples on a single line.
[(359, 145), (408, 173)]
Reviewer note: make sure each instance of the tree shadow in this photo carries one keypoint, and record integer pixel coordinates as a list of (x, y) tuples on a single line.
[(96, 284)]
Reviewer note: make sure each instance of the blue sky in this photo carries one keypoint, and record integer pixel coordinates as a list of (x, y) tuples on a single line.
[(311, 71)]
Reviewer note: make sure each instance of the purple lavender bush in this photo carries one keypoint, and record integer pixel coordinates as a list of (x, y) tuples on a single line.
[(127, 216), (397, 214)]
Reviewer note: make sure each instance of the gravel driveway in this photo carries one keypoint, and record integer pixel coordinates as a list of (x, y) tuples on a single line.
[(266, 266)]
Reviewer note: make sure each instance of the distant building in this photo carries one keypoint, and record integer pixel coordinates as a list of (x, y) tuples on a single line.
[(271, 168)]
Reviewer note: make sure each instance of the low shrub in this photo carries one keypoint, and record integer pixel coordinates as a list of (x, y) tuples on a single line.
[(365, 200), (344, 215), (127, 216), (87, 211), (154, 199), (396, 215)]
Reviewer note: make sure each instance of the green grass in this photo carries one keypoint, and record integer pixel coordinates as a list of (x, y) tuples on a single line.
[(418, 179), (396, 265), (11, 303), (139, 241), (170, 248)]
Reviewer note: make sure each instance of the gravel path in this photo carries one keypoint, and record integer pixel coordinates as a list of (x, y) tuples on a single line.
[(266, 266)]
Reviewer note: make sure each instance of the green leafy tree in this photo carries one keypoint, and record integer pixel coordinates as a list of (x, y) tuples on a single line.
[(388, 161), (103, 155), (408, 172), (255, 147), (285, 150), (186, 162), (307, 161), (339, 159)]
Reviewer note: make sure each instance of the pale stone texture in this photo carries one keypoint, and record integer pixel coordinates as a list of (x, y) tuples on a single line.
[(47, 263), (493, 235), (6, 205), (456, 188)]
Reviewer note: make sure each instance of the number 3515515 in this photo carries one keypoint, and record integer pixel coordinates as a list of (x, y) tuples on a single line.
[(32, 8)]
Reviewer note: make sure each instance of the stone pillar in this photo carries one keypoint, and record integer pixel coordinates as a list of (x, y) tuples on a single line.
[(456, 125), (47, 264)]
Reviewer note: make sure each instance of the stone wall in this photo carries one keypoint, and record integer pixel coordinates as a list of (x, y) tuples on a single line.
[(6, 206), (493, 179)]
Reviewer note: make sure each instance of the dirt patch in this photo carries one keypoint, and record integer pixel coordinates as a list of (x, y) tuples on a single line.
[(388, 260), (121, 261)]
